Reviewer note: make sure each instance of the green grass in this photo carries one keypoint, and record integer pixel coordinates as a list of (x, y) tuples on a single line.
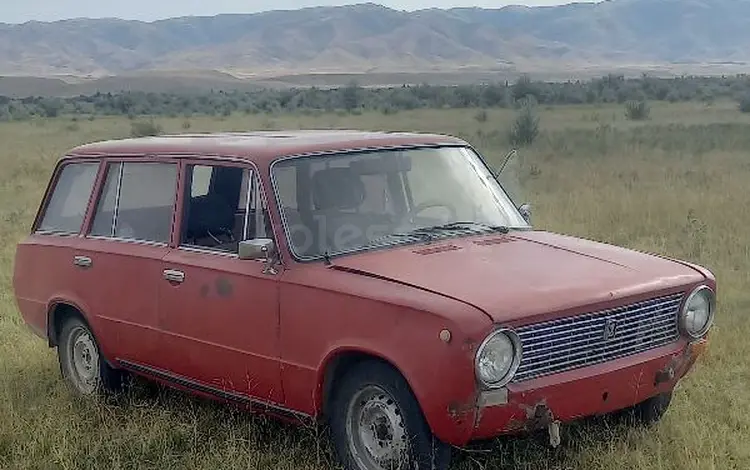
[(676, 184)]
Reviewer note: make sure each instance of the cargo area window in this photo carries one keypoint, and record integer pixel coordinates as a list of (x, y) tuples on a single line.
[(70, 198), (223, 207), (137, 202)]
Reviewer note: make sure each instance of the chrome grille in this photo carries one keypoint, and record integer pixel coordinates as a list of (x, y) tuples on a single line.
[(571, 343)]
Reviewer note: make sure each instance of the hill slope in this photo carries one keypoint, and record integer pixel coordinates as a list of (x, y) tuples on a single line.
[(371, 37)]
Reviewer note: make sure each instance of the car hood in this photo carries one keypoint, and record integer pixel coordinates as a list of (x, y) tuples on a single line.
[(526, 274)]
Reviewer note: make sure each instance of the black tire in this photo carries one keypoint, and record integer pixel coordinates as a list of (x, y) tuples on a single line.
[(374, 387), (647, 413), (88, 378)]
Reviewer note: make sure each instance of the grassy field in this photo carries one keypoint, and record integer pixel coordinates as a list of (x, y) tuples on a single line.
[(677, 184)]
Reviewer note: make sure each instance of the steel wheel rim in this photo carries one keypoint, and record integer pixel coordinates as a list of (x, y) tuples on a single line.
[(83, 359), (375, 430)]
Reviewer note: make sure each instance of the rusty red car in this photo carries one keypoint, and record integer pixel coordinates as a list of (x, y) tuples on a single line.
[(383, 284)]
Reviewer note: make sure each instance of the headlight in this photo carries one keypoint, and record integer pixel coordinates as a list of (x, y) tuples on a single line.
[(698, 312), (498, 358)]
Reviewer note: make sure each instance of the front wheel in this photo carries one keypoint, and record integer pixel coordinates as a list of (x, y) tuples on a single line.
[(82, 366), (376, 423), (647, 413)]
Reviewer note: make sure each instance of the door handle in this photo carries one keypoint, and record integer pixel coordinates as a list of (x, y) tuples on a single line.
[(172, 275), (82, 261)]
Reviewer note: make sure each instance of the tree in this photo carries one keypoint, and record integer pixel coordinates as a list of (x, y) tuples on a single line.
[(523, 88)]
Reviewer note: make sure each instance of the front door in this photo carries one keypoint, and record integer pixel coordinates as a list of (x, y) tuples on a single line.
[(219, 314)]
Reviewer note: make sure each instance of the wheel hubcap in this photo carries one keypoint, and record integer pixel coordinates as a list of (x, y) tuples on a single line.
[(376, 431), (85, 360)]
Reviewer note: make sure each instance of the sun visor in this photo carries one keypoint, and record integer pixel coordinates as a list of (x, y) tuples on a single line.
[(394, 162)]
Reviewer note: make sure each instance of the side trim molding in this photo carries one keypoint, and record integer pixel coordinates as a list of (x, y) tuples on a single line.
[(238, 398)]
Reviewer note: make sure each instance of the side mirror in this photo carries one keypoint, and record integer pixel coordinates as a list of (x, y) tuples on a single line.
[(260, 248), (525, 211)]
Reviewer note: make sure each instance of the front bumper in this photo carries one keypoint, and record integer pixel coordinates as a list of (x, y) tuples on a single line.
[(595, 390)]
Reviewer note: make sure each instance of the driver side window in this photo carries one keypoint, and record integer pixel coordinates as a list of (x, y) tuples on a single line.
[(223, 206)]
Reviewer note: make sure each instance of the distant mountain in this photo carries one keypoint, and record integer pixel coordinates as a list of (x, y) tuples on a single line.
[(370, 37)]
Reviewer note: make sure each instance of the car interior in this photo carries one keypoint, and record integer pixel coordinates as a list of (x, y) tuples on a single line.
[(216, 219), (346, 202)]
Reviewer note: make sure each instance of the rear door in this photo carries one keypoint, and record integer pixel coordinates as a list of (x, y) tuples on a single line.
[(44, 270), (219, 314), (120, 261)]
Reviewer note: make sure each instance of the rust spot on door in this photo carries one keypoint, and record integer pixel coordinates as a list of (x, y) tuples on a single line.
[(223, 287)]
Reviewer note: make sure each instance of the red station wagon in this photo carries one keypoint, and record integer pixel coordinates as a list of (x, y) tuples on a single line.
[(382, 283)]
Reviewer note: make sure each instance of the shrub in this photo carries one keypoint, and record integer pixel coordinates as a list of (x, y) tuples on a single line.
[(144, 128), (525, 129), (745, 104), (673, 96), (637, 110), (351, 96)]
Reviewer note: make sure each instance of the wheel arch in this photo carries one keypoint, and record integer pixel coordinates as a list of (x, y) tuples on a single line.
[(337, 363), (57, 311), (61, 308)]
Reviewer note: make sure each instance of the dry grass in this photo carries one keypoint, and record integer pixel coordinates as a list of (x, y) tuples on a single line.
[(677, 185)]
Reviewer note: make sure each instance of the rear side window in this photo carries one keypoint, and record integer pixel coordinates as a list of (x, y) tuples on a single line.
[(137, 202), (69, 199)]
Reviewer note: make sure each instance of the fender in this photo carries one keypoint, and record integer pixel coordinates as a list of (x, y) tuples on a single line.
[(361, 272), (699, 269), (449, 411)]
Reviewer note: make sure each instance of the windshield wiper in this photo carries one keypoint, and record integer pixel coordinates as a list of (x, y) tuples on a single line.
[(463, 225), (410, 234), (426, 234)]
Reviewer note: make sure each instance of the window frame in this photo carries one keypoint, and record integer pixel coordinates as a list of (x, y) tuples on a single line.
[(184, 195), (113, 160), (50, 190)]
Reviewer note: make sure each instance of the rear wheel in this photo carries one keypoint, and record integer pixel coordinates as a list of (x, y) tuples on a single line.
[(376, 423), (81, 363)]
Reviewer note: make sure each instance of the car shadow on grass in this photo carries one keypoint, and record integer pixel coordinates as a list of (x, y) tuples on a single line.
[(276, 444), (224, 434), (152, 426), (532, 451)]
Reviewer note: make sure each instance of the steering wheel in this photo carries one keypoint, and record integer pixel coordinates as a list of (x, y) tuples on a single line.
[(429, 205)]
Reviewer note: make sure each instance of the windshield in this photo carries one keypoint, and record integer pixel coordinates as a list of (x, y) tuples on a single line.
[(349, 202)]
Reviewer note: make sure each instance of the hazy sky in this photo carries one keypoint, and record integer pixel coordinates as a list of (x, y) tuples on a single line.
[(19, 11)]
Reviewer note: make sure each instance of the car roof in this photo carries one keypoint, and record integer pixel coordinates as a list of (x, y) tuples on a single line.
[(262, 146)]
